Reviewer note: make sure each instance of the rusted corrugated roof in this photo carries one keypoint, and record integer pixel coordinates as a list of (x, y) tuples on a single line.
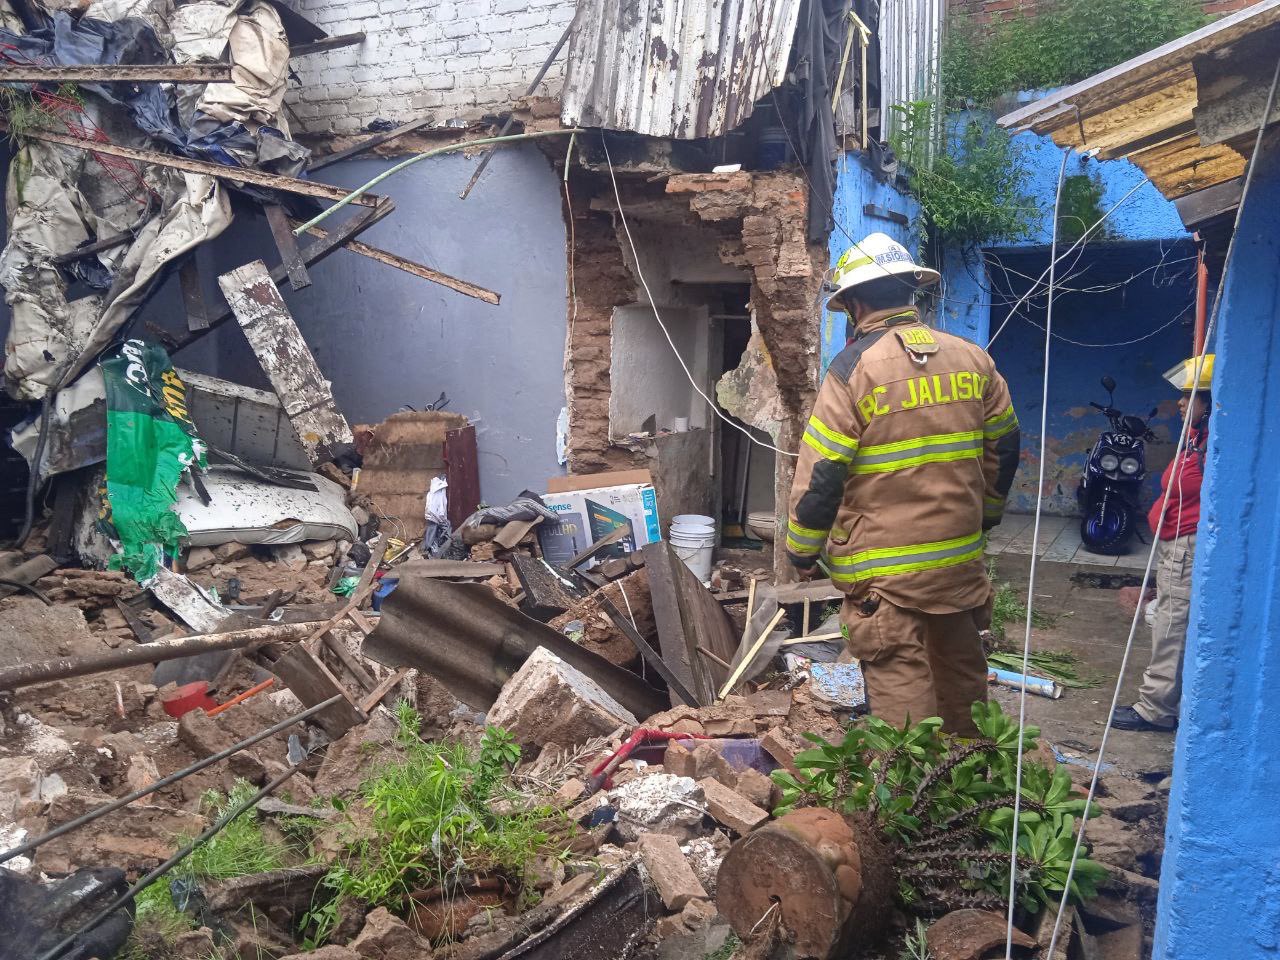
[(1148, 108), (675, 68)]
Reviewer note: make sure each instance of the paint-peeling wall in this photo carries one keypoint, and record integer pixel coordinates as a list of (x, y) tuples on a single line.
[(1136, 309), (861, 202)]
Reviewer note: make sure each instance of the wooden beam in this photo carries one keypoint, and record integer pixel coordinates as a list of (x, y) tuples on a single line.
[(193, 295), (328, 43), (410, 266), (287, 244), (319, 163), (286, 360), (311, 255), (306, 188), (119, 73)]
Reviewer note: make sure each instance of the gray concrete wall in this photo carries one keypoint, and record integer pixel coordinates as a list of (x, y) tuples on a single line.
[(386, 338)]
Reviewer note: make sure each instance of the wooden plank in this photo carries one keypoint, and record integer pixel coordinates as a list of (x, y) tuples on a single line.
[(312, 255), (650, 655), (106, 243), (319, 163), (312, 682), (816, 591), (348, 659), (462, 470), (118, 73), (193, 295), (546, 596), (328, 43), (272, 181), (287, 245), (613, 536), (384, 688), (462, 569), (409, 266), (287, 360)]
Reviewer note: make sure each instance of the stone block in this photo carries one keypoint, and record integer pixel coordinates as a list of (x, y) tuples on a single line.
[(227, 552), (387, 937), (676, 882), (549, 701), (730, 808), (200, 557), (754, 786)]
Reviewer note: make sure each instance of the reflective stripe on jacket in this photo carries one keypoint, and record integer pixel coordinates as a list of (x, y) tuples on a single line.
[(906, 460)]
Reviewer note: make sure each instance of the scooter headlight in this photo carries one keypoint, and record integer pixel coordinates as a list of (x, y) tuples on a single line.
[(1130, 466), (1109, 462)]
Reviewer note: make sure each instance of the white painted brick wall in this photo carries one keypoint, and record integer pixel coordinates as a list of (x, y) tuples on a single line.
[(444, 58)]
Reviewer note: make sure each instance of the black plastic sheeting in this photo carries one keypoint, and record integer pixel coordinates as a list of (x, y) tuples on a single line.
[(65, 41), (34, 917)]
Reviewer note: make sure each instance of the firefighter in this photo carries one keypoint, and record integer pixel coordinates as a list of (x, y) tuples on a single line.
[(905, 464)]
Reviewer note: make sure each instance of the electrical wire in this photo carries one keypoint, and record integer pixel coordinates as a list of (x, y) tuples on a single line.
[(1031, 578), (1164, 507), (653, 304)]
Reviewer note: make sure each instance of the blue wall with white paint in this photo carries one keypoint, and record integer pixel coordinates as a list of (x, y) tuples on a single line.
[(856, 189), (1221, 865)]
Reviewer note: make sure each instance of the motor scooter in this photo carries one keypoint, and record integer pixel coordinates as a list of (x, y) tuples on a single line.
[(1113, 475)]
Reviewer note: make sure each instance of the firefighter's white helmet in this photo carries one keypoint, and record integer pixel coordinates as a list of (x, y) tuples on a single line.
[(879, 255)]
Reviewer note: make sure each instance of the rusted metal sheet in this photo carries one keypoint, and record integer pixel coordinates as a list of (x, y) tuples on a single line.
[(675, 68), (910, 36), (286, 359), (473, 643)]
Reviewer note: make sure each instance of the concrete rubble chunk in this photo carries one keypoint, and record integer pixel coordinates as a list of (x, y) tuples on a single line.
[(198, 558), (387, 937), (662, 803), (205, 737), (289, 556), (676, 882), (730, 808), (228, 552), (549, 701), (755, 786)]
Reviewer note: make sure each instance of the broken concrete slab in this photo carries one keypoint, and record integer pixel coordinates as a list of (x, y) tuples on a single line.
[(731, 808), (550, 701), (676, 882), (662, 803)]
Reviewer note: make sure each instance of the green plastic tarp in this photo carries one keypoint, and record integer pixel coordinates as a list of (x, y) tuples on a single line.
[(151, 442)]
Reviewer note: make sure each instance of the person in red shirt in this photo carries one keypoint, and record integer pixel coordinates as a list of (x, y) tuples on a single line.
[(1157, 704)]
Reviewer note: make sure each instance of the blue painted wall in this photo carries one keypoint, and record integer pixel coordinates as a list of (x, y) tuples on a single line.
[(1221, 865), (1160, 296), (856, 188)]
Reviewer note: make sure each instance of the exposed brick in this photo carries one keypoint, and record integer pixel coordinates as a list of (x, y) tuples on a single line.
[(668, 869), (479, 44), (731, 808)]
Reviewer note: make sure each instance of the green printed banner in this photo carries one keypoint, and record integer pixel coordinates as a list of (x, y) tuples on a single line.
[(151, 442)]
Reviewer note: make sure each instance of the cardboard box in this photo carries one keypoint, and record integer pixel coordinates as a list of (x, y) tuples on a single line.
[(588, 513)]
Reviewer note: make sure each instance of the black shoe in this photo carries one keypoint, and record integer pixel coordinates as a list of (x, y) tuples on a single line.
[(1127, 718)]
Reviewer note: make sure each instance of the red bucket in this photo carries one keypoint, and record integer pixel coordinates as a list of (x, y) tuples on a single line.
[(188, 697)]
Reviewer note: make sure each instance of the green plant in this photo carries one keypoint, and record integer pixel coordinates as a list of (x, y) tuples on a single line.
[(947, 804), (239, 848), (1055, 44), (916, 944), (967, 175), (726, 949), (157, 922), (440, 815), (1059, 665), (1008, 606)]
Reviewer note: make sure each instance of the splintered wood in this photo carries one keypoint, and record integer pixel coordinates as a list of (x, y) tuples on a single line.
[(286, 359)]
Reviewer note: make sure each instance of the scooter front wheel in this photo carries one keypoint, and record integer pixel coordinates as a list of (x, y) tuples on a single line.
[(1106, 527)]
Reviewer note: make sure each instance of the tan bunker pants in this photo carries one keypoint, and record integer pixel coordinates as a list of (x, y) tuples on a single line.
[(1162, 682), (918, 665)]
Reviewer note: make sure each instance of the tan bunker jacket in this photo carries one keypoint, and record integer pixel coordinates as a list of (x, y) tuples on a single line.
[(905, 463)]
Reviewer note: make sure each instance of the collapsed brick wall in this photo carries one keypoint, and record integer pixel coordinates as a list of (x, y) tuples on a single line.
[(447, 58), (599, 282)]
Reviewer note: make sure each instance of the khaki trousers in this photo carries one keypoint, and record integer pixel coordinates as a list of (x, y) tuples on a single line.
[(1162, 682), (919, 665)]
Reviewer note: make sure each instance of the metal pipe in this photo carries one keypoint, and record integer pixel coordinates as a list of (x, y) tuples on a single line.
[(124, 801), (157, 651), (61, 946), (1202, 302)]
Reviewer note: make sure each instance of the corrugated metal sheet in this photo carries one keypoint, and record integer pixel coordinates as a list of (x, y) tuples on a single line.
[(675, 68), (910, 47)]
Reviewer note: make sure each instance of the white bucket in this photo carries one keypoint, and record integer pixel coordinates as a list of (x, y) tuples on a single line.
[(694, 543)]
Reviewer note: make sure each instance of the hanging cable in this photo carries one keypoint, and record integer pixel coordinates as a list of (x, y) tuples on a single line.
[(653, 304), (1164, 505), (1031, 580)]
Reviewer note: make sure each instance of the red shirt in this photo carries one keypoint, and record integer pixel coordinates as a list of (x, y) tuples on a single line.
[(1183, 514)]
